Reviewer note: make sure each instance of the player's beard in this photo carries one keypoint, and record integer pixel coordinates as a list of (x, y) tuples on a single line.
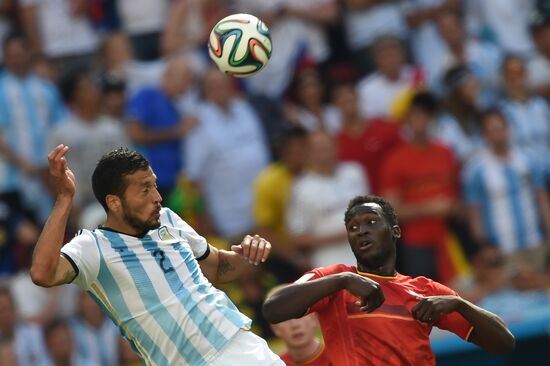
[(135, 222)]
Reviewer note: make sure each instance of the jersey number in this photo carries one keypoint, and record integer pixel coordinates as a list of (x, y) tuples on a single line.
[(159, 256)]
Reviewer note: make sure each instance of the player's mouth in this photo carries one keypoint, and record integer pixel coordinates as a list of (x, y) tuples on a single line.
[(365, 245)]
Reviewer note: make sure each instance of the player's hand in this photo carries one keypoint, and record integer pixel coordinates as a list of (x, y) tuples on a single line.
[(367, 290), (64, 180), (255, 249), (430, 309)]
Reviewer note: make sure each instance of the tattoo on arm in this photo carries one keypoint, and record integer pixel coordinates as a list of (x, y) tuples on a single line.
[(68, 276), (224, 266)]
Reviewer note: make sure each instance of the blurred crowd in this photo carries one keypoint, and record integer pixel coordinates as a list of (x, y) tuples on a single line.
[(441, 106)]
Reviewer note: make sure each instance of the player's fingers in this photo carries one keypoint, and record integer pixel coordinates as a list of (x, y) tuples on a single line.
[(415, 309), (253, 251), (267, 250), (246, 246), (423, 313), (52, 156), (259, 252)]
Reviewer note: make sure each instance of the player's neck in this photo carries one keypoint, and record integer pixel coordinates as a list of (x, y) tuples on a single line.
[(120, 226), (386, 270), (305, 353)]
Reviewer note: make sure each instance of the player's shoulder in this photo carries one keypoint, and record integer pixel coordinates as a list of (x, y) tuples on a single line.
[(334, 269), (427, 286)]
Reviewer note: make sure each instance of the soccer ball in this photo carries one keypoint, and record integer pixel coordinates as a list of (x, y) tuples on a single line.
[(240, 45)]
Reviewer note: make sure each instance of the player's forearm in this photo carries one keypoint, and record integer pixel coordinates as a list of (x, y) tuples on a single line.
[(293, 301), (231, 266), (490, 332), (45, 259)]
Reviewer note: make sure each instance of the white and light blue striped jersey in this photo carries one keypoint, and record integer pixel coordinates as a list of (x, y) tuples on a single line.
[(530, 126), (153, 289), (505, 192), (29, 107), (30, 349)]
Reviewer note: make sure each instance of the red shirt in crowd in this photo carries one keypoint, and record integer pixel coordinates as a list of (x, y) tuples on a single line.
[(389, 335), (369, 147)]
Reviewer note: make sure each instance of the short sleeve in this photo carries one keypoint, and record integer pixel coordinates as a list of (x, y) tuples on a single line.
[(83, 253), (198, 243), (453, 322)]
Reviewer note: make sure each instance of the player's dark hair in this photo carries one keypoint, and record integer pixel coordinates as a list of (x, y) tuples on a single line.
[(387, 209), (108, 176), (426, 102)]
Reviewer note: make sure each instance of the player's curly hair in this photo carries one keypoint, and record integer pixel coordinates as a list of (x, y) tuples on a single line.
[(108, 176), (387, 208)]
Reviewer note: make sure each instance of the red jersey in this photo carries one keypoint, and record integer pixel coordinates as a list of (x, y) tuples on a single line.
[(418, 174), (389, 335), (369, 147), (318, 359)]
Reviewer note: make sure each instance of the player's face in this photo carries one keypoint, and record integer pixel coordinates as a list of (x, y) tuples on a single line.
[(142, 202), (297, 332), (370, 236)]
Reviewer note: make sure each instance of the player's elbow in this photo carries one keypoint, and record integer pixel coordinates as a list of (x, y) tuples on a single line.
[(508, 345), (269, 310), (40, 277)]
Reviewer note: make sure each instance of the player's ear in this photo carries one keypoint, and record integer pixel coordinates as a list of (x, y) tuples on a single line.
[(113, 202), (396, 231)]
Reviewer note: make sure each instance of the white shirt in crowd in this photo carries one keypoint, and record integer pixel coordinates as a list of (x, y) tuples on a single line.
[(225, 153), (317, 207), (143, 16), (62, 33)]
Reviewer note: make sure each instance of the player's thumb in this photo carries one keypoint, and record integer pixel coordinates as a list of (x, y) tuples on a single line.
[(237, 249)]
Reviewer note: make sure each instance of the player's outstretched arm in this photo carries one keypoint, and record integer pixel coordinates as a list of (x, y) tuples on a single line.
[(223, 266), (48, 267), (293, 301), (490, 331)]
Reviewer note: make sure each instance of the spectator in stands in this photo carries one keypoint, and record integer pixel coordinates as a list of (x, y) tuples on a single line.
[(427, 45), (156, 127), (393, 77), (143, 21), (539, 66), (272, 190), (481, 57), (88, 132), (225, 153), (363, 141), (506, 197), (296, 28), (114, 97), (319, 198), (95, 336), (60, 343), (420, 179), (505, 23), (61, 31), (528, 114), (30, 107), (188, 28), (7, 15), (310, 109), (303, 347), (117, 61), (367, 20), (24, 341), (458, 127)]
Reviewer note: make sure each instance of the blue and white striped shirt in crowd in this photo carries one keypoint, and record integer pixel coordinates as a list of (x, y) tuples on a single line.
[(152, 287), (29, 107), (30, 349), (530, 126), (99, 345), (505, 192)]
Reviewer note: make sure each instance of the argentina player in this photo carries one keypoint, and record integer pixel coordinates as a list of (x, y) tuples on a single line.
[(149, 270)]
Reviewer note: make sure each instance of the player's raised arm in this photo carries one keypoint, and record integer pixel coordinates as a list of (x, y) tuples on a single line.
[(223, 266), (49, 268), (294, 300)]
